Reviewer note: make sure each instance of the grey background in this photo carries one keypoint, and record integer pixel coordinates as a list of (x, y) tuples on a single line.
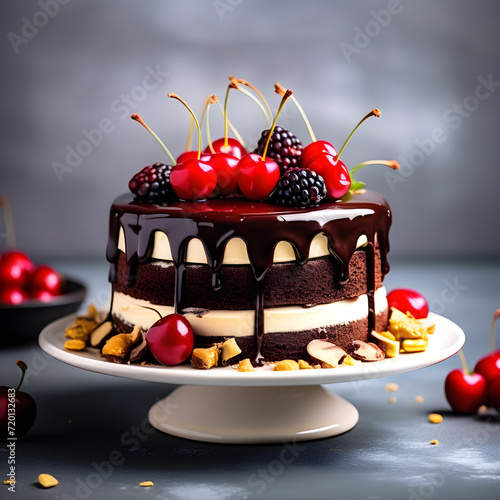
[(420, 67)]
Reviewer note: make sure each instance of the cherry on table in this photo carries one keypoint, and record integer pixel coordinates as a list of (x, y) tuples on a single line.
[(489, 365), (464, 390), (171, 339), (494, 394), (24, 405)]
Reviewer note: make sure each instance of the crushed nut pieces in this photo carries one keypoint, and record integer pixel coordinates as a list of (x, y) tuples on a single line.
[(435, 418), (47, 481), (75, 345), (391, 387)]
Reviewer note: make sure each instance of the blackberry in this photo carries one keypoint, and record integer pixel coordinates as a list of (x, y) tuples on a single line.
[(299, 187), (284, 148), (152, 183)]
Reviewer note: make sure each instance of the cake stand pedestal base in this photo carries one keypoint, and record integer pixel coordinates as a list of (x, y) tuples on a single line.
[(253, 414)]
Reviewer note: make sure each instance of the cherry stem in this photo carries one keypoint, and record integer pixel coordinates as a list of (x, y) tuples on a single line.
[(233, 128), (23, 367), (281, 91), (226, 136), (373, 112), (138, 118), (465, 367), (496, 315), (9, 222), (288, 93), (256, 90), (190, 134), (175, 96), (211, 99), (392, 164), (153, 309), (249, 94)]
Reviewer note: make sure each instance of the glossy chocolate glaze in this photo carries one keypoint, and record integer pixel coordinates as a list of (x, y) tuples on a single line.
[(261, 225)]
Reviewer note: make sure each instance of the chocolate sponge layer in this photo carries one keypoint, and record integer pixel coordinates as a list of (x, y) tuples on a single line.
[(284, 284)]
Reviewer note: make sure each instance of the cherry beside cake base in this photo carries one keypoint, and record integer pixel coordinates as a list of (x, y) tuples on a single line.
[(248, 415)]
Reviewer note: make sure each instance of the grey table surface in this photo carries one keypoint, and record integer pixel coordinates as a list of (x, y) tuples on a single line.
[(92, 431)]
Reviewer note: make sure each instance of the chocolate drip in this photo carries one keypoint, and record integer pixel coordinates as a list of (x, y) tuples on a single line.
[(262, 226)]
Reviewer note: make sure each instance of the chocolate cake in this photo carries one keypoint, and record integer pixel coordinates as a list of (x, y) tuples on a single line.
[(272, 277)]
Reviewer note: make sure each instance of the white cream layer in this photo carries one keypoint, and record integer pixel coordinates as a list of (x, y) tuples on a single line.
[(236, 249), (241, 323)]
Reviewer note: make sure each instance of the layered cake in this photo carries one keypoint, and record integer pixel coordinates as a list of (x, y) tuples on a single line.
[(272, 277), (268, 251)]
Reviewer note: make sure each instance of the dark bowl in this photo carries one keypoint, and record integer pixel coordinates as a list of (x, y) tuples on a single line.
[(23, 322)]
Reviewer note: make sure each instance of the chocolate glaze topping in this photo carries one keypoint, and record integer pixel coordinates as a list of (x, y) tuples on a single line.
[(262, 226)]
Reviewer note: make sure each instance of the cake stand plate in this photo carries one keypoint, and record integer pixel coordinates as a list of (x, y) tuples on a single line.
[(223, 405)]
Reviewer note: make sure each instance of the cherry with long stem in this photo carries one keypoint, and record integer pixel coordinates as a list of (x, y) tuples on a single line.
[(288, 93), (175, 96), (193, 179)]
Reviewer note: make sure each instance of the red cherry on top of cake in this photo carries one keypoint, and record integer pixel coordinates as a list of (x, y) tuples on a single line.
[(257, 176), (226, 166), (171, 339), (233, 148), (193, 179), (314, 149), (410, 301), (334, 173)]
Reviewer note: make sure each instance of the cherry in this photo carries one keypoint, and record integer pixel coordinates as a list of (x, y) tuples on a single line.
[(12, 295), (257, 177), (334, 173), (226, 167), (231, 146), (171, 339), (225, 144), (494, 394), (194, 179), (24, 409), (465, 391), (489, 365), (407, 301), (15, 267), (314, 149), (44, 279)]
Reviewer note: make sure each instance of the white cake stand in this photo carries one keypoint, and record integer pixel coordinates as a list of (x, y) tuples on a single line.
[(224, 406)]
